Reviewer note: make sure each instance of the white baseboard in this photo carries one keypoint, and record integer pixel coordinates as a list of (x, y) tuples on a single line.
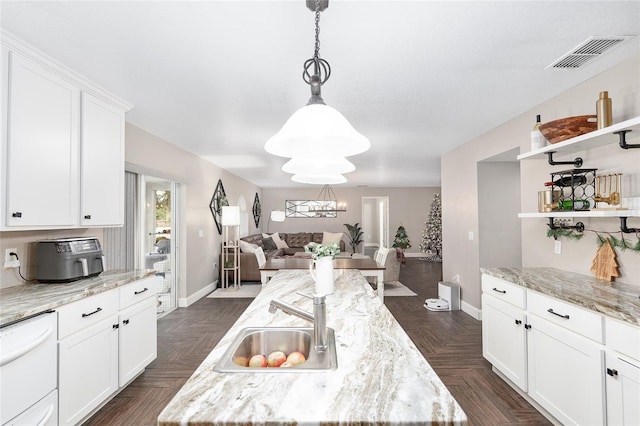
[(186, 302), (471, 310)]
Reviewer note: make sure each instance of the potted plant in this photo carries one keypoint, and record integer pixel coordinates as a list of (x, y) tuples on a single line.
[(355, 235)]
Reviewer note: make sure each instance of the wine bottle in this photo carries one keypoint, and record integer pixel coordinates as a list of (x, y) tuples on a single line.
[(537, 139), (573, 180), (573, 205)]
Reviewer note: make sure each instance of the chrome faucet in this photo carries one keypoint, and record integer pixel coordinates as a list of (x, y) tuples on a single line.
[(319, 318)]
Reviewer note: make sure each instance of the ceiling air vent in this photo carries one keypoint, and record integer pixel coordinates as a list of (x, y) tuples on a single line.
[(588, 50)]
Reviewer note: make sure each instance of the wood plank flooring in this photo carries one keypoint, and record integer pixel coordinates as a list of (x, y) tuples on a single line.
[(450, 341)]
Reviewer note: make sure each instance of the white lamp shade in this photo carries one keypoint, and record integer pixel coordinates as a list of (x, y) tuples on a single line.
[(277, 216), (318, 166), (230, 215), (319, 179), (315, 131)]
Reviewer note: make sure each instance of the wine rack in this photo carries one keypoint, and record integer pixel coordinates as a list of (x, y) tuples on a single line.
[(574, 189)]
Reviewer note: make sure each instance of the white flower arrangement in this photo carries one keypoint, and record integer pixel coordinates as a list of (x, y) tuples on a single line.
[(322, 250)]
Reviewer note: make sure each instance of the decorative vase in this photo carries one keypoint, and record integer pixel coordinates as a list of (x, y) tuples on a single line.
[(323, 275)]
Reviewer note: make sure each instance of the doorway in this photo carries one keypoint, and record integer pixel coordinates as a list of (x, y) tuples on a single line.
[(159, 217), (375, 224)]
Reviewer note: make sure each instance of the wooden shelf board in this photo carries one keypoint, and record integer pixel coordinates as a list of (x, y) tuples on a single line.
[(589, 140), (591, 213)]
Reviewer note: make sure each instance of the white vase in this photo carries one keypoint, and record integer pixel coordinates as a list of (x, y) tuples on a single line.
[(323, 275)]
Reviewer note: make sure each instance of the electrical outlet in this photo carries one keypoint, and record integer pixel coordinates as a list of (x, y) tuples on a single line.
[(11, 261), (563, 221), (557, 248)]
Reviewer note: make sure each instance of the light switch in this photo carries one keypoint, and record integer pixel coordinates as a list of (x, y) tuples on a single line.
[(200, 233), (470, 235)]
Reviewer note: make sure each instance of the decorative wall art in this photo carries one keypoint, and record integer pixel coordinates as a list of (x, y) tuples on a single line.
[(218, 200), (257, 210), (311, 208)]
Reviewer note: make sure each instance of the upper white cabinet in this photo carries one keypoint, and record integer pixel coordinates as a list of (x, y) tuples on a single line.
[(41, 148), (62, 151), (102, 163)]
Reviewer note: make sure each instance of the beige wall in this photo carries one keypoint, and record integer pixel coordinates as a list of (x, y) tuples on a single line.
[(460, 186), (407, 206), (201, 177)]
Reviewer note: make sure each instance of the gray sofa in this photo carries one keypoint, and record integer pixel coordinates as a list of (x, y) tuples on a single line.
[(249, 270)]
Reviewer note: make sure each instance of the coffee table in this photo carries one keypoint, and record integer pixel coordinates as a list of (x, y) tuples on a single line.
[(367, 267)]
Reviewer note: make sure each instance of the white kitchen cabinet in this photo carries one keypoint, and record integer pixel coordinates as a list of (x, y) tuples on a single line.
[(102, 163), (565, 373), (504, 339), (62, 153), (88, 355), (138, 345), (40, 147), (623, 390)]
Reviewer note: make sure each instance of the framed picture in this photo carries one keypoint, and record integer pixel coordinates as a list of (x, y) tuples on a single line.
[(311, 208)]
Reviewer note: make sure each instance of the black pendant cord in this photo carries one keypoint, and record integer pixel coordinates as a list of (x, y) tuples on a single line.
[(321, 68)]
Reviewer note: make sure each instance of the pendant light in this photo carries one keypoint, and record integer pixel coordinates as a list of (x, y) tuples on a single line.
[(318, 166), (317, 129), (319, 179)]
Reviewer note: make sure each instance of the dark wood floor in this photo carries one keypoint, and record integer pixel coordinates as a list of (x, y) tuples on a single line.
[(450, 341)]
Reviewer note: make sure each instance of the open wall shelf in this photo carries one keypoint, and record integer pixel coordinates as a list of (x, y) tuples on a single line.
[(589, 213), (589, 140)]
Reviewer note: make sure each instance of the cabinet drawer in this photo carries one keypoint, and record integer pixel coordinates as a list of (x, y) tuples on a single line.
[(83, 313), (572, 317), (623, 338), (503, 290), (137, 291)]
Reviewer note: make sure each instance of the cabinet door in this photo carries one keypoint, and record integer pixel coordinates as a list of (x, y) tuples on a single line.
[(102, 165), (41, 148), (138, 339), (565, 373), (88, 369), (623, 391), (504, 339)]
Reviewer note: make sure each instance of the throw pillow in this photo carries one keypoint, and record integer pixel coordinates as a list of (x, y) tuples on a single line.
[(246, 247), (276, 239), (332, 237), (269, 244)]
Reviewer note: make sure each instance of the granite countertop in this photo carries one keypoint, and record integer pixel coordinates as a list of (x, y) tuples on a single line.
[(381, 377), (25, 300), (616, 300)]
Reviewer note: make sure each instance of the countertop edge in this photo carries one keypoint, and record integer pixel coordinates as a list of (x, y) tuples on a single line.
[(618, 300), (24, 301)]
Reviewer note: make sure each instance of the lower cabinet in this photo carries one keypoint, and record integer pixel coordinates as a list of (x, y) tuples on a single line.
[(137, 339), (87, 370), (565, 373), (104, 341), (504, 339)]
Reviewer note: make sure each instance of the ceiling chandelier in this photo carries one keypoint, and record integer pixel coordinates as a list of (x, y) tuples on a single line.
[(317, 129), (327, 202)]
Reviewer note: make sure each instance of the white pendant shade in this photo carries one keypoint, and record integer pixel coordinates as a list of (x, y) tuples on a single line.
[(315, 131), (318, 166), (319, 179)]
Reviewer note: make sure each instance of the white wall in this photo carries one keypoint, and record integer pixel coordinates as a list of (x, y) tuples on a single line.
[(460, 186)]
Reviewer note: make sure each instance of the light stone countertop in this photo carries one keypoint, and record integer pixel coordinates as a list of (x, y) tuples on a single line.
[(381, 377), (25, 300), (616, 300)]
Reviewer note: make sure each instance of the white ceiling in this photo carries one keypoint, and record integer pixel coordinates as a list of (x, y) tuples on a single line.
[(418, 78)]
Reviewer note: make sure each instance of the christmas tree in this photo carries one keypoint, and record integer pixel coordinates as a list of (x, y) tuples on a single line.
[(432, 234), (401, 242)]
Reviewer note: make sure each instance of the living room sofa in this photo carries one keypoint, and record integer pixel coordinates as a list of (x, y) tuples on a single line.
[(249, 270)]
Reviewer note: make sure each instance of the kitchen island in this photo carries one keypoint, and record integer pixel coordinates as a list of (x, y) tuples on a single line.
[(381, 377)]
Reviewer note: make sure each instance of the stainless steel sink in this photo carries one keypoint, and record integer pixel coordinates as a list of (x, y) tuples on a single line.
[(264, 340)]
